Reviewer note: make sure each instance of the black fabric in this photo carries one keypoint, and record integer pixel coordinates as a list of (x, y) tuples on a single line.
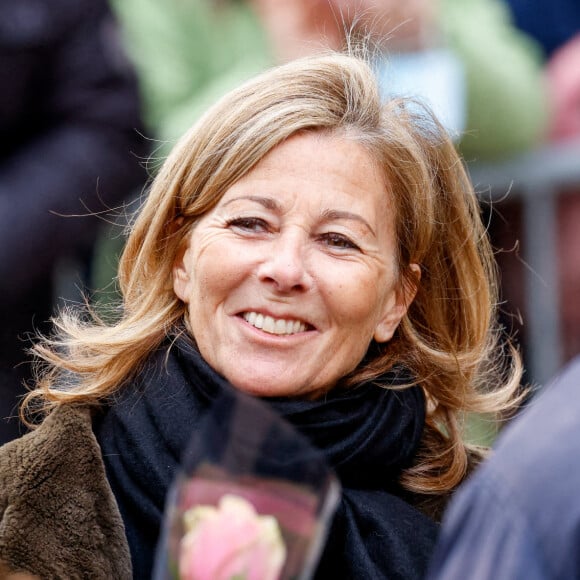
[(367, 435)]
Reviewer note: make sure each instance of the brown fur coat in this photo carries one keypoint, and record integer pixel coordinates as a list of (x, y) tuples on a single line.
[(58, 516)]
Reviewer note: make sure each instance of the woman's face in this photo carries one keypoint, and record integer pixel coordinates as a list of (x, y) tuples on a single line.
[(293, 273)]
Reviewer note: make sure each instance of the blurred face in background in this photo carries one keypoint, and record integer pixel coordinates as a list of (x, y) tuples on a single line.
[(404, 24), (294, 272), (301, 27)]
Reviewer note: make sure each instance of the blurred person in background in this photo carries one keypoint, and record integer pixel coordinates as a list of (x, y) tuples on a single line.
[(519, 516), (70, 120), (191, 52), (506, 101), (188, 53)]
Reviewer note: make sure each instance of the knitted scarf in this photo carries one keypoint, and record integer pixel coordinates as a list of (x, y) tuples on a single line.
[(367, 434)]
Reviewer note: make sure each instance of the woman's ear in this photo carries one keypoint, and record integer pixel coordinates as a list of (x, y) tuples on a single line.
[(398, 305), (182, 273)]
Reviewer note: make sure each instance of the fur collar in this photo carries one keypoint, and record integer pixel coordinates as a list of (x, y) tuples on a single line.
[(59, 518)]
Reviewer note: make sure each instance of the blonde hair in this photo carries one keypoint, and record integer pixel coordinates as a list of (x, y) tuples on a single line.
[(447, 341)]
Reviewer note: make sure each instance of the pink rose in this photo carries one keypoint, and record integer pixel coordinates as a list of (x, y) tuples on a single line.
[(230, 541)]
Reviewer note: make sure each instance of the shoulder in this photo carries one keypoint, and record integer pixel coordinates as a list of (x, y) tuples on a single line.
[(55, 499), (540, 445), (518, 516), (65, 430)]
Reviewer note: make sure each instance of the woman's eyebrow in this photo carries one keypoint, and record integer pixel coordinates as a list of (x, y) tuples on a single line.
[(327, 215), (266, 202), (336, 214)]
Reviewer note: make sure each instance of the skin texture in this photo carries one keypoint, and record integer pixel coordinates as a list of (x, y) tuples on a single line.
[(308, 236)]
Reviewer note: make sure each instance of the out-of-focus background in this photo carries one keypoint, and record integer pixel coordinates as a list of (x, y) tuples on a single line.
[(70, 120), (95, 94)]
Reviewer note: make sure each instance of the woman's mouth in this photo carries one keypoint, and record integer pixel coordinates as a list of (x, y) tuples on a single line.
[(272, 325)]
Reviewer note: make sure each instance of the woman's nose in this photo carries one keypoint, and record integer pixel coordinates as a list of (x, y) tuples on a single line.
[(285, 265)]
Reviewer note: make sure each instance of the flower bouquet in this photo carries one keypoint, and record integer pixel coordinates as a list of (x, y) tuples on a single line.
[(253, 500)]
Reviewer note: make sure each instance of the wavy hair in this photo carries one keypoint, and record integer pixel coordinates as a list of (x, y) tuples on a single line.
[(447, 341)]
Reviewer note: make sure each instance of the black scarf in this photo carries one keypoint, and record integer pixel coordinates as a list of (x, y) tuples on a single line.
[(367, 434)]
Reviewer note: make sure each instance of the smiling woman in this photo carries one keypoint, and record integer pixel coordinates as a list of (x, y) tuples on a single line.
[(316, 248), (294, 270)]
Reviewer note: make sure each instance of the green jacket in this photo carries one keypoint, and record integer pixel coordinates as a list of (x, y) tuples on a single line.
[(191, 52), (507, 99)]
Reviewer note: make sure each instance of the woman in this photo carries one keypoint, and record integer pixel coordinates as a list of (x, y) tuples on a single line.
[(309, 246)]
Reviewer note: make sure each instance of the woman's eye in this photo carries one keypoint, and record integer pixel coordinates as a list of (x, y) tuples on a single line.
[(248, 224), (340, 241)]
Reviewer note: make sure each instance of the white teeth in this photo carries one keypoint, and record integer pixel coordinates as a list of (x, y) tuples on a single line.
[(269, 325), (272, 325), (281, 326)]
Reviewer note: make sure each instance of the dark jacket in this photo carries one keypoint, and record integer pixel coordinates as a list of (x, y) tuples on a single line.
[(519, 517), (58, 516), (71, 146)]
